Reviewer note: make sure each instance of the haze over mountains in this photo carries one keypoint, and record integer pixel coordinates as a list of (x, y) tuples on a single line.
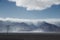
[(29, 26)]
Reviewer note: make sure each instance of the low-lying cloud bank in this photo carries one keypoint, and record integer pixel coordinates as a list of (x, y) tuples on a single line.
[(29, 20), (36, 4)]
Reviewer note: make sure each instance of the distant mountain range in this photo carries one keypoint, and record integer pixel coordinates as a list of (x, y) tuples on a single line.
[(8, 26)]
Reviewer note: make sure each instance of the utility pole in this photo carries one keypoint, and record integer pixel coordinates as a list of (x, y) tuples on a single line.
[(8, 28)]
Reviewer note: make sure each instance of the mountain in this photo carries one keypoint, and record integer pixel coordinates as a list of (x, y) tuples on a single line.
[(3, 27), (57, 23), (47, 27), (29, 27), (20, 27)]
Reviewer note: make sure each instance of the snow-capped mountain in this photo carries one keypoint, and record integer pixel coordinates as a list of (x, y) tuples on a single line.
[(39, 26)]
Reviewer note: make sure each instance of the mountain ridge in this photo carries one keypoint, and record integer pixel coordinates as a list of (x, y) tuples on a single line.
[(24, 26)]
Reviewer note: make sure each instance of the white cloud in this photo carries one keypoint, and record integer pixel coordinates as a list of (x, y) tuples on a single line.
[(29, 20), (36, 4)]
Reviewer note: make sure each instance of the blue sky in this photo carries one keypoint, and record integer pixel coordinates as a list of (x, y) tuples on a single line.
[(9, 9)]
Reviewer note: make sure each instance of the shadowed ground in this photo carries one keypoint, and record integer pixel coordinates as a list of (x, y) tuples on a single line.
[(29, 36)]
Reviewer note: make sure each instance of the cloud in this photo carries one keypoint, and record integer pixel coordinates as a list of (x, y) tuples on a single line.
[(36, 4), (29, 20)]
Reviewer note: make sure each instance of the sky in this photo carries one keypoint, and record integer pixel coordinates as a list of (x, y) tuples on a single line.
[(30, 9)]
